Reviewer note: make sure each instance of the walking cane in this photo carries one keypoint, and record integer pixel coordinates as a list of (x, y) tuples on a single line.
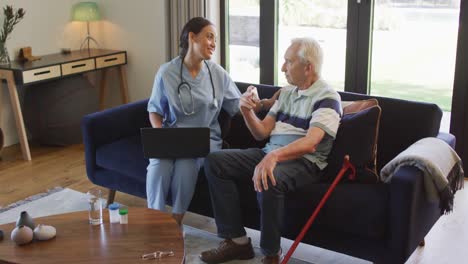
[(346, 165)]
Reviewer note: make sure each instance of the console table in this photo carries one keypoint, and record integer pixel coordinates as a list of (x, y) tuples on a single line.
[(56, 66)]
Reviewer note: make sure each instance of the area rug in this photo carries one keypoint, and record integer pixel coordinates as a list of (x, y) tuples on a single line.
[(59, 200), (54, 201)]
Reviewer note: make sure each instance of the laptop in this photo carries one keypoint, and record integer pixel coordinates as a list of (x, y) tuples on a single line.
[(183, 142)]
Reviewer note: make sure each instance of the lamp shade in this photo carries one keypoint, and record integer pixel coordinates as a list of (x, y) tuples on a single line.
[(85, 11)]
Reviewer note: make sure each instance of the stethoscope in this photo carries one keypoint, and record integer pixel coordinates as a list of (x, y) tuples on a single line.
[(185, 85)]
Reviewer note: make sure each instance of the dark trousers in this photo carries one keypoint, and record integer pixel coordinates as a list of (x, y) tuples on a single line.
[(227, 168)]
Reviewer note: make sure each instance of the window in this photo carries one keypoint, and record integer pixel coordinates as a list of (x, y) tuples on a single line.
[(323, 20), (413, 51), (244, 44), (410, 49)]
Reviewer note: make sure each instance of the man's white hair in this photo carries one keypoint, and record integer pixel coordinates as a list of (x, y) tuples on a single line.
[(310, 52)]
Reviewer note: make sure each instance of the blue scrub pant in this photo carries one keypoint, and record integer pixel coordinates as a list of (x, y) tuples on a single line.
[(177, 175), (227, 169)]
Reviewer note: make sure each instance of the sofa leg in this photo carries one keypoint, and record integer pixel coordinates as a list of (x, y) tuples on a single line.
[(422, 243), (111, 197)]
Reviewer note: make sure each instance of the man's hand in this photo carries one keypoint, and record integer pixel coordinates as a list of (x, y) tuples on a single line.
[(247, 100), (264, 171)]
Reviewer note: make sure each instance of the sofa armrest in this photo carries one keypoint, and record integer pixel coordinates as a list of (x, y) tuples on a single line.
[(107, 126), (447, 137), (411, 214)]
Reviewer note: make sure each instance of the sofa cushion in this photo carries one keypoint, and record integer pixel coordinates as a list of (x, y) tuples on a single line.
[(398, 129), (125, 156), (356, 137)]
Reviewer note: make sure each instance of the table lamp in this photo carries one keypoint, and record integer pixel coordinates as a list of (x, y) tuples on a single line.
[(86, 11)]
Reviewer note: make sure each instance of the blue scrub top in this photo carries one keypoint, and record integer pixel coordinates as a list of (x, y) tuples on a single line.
[(165, 99)]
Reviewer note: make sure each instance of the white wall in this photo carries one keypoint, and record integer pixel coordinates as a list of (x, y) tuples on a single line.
[(136, 26), (140, 27)]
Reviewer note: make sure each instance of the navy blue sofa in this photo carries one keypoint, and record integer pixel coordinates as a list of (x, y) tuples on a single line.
[(382, 223)]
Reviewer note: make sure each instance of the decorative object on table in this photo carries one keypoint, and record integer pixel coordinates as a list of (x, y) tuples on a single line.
[(25, 219), (11, 18), (86, 12), (65, 50), (22, 235), (1, 235), (44, 232), (25, 54)]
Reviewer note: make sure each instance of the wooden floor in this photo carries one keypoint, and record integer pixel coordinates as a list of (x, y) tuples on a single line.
[(50, 167), (65, 167)]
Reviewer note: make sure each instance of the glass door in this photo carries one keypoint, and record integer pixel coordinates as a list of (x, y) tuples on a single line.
[(395, 48), (244, 40), (413, 51), (324, 20)]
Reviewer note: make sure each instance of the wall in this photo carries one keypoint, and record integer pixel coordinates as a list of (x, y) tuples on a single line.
[(140, 28), (136, 26)]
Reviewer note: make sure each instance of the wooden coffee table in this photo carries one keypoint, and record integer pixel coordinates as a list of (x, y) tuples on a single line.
[(79, 242)]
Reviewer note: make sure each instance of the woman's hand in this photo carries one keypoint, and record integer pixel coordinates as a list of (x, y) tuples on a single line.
[(266, 104), (259, 105)]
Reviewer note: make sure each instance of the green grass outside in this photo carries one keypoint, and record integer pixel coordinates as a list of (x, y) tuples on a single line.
[(421, 93), (441, 96)]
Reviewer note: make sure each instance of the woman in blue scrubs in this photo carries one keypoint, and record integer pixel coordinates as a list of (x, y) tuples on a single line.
[(188, 91)]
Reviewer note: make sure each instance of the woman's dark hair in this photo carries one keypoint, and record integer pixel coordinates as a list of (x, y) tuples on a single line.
[(195, 25)]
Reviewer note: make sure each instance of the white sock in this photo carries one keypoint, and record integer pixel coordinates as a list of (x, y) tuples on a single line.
[(243, 240)]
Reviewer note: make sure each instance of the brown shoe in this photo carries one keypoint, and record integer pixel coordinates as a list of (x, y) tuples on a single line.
[(271, 259), (226, 251)]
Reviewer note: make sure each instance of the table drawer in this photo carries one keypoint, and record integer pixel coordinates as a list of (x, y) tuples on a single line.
[(78, 66), (41, 74), (110, 60)]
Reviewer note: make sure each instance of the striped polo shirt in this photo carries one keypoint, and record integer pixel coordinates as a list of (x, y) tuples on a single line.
[(297, 110)]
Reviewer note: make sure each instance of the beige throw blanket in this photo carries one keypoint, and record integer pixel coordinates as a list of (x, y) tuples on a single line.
[(442, 168)]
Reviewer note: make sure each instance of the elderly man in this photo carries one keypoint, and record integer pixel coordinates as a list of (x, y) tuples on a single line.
[(302, 125)]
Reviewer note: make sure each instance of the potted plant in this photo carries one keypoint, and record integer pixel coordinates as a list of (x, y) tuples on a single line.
[(10, 19)]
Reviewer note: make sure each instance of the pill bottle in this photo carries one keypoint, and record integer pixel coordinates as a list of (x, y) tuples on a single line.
[(114, 213), (123, 212)]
